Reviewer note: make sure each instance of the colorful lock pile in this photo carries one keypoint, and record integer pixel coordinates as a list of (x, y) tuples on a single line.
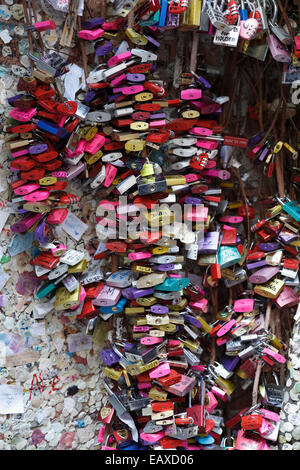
[(187, 267)]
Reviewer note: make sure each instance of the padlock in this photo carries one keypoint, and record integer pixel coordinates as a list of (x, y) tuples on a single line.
[(274, 392)]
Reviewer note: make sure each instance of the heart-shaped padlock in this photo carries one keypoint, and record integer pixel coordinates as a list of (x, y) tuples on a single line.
[(248, 28)]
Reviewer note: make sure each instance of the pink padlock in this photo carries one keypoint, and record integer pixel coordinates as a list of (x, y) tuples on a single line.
[(39, 195), (277, 49), (139, 255), (191, 94), (150, 340), (199, 367), (222, 174), (207, 144), (26, 189), (117, 59), (160, 123), (19, 153), (278, 357), (191, 177), (91, 35), (266, 428), (44, 25), (160, 371), (95, 144), (243, 305), (248, 28), (132, 90), (118, 80), (225, 328), (110, 174), (200, 131), (221, 341), (101, 434), (153, 437), (59, 249), (21, 115), (219, 393), (270, 415), (144, 385), (287, 298), (201, 305), (212, 402), (57, 216)]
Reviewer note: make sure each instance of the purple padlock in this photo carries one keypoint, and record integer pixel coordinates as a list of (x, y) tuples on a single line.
[(264, 275), (129, 346), (153, 41), (113, 98), (192, 320), (203, 82), (164, 267), (103, 48), (230, 362), (92, 23), (89, 96), (262, 156), (13, 98), (287, 237), (161, 309), (209, 244), (259, 264), (269, 246), (158, 116), (38, 148), (255, 139), (193, 200), (132, 293), (135, 77), (109, 357), (40, 233)]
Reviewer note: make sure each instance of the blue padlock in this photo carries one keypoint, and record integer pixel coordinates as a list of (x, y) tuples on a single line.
[(53, 129), (163, 13), (173, 284), (228, 256), (114, 308), (131, 445)]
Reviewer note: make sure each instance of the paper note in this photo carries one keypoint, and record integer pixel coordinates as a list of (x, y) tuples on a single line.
[(3, 218), (74, 227), (79, 342), (20, 243), (26, 357), (11, 399), (74, 81)]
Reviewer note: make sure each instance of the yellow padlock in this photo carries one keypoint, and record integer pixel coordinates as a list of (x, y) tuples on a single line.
[(48, 180), (139, 126), (143, 96), (136, 38), (135, 145)]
